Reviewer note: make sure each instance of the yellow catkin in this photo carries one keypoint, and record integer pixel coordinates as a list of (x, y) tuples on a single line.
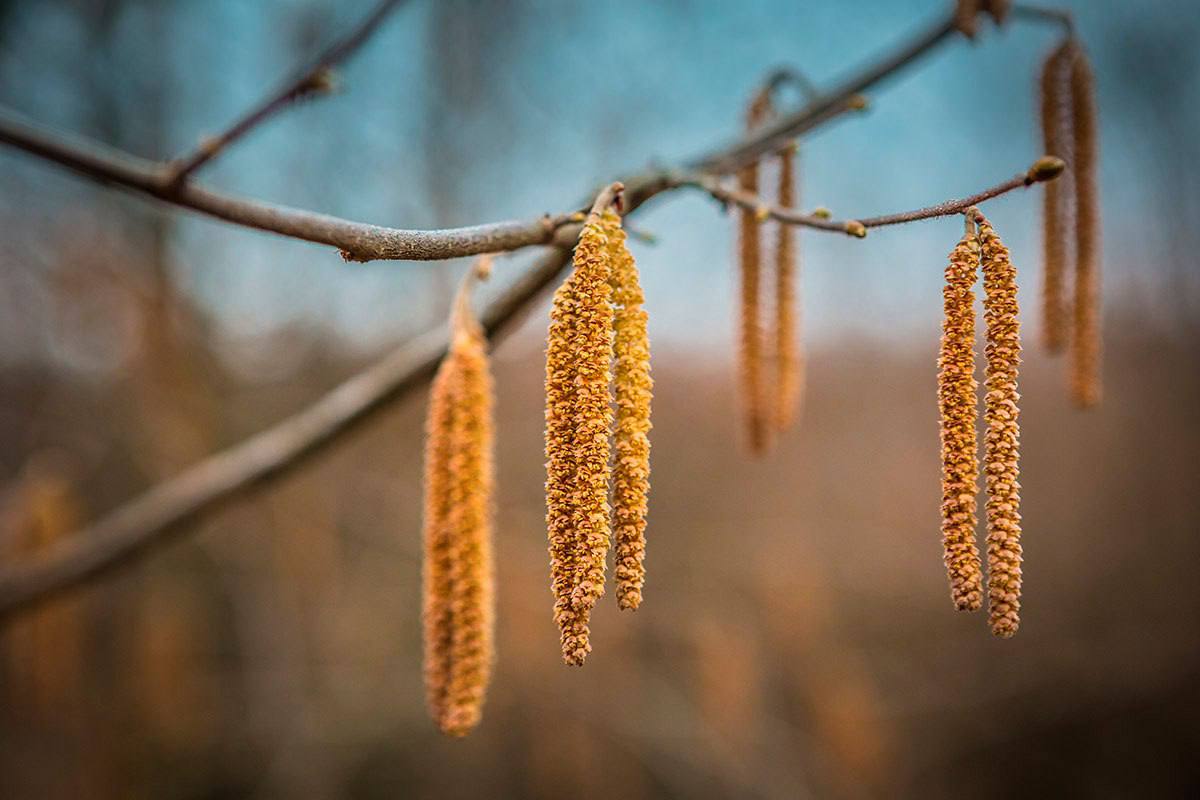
[(957, 408), (1085, 344), (1055, 141), (578, 424), (1001, 462), (634, 391), (789, 363), (750, 333), (966, 17), (459, 615)]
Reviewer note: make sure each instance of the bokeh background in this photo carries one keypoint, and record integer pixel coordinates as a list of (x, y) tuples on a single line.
[(797, 638)]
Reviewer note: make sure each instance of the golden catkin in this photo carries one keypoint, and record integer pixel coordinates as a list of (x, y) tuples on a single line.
[(750, 332), (578, 424), (1055, 141), (459, 612), (1001, 461), (789, 364), (957, 406), (634, 391), (1085, 344)]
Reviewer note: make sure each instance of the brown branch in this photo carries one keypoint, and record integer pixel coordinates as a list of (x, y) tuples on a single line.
[(315, 79), (1044, 169), (356, 240), (140, 525)]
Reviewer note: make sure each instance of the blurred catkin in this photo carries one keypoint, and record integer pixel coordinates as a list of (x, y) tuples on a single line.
[(957, 405), (1001, 461), (789, 364), (1055, 141), (459, 607), (966, 17), (634, 391), (1085, 344), (750, 345), (578, 425)]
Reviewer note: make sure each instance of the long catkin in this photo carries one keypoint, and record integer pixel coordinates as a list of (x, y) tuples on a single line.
[(1085, 344), (750, 342), (634, 391), (1056, 142), (578, 424), (957, 407), (459, 616), (789, 363), (1001, 463)]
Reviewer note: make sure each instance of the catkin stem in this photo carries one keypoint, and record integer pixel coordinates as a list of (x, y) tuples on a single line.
[(957, 407), (1003, 434), (634, 386), (1085, 346), (1056, 141)]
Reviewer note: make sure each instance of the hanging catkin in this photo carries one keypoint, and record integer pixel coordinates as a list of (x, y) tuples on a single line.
[(631, 468), (750, 346), (1055, 141), (789, 363), (1001, 462), (957, 406), (1085, 344), (458, 605), (578, 423)]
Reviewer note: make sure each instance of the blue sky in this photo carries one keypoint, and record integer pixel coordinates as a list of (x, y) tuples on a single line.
[(555, 97)]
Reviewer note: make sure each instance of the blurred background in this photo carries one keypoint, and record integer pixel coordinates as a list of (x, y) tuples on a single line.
[(797, 638)]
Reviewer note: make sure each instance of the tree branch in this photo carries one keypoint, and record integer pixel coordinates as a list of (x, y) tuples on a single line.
[(315, 79), (1044, 169), (137, 527)]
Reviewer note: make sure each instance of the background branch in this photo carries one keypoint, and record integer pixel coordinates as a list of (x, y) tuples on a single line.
[(315, 79)]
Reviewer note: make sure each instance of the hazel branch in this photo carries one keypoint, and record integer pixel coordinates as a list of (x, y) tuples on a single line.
[(316, 79), (1044, 169)]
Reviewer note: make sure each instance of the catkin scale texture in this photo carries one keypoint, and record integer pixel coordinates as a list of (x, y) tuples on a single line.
[(789, 364), (459, 615), (1002, 456), (1085, 344), (578, 425), (634, 389), (957, 406), (750, 327), (1055, 141)]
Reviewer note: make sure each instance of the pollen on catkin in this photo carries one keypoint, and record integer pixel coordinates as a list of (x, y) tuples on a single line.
[(1055, 141), (1085, 343), (957, 406), (750, 331), (634, 391), (789, 363), (578, 423), (1002, 456), (459, 616)]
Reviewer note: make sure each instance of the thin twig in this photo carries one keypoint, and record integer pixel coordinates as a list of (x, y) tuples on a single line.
[(316, 79), (1045, 168)]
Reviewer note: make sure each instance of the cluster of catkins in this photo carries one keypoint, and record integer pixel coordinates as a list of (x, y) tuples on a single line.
[(764, 356), (981, 250), (459, 607), (1068, 114), (597, 345)]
